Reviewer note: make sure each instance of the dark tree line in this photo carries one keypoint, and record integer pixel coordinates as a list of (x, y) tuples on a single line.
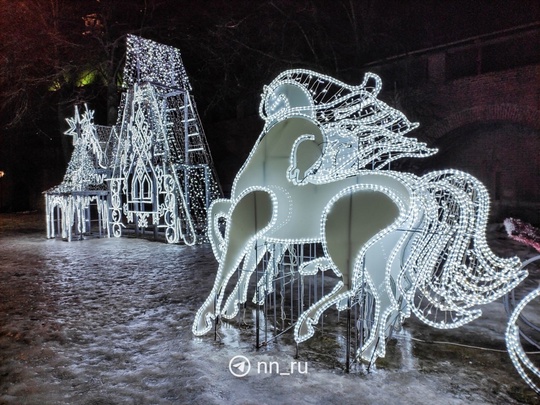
[(58, 52), (54, 53)]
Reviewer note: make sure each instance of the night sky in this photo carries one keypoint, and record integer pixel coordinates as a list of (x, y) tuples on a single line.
[(54, 54)]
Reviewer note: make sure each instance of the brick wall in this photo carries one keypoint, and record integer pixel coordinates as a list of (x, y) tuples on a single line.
[(484, 122)]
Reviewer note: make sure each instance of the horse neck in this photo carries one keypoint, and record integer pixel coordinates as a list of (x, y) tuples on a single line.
[(273, 145)]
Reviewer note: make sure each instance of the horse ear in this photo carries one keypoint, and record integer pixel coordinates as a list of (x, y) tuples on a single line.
[(372, 83), (285, 100)]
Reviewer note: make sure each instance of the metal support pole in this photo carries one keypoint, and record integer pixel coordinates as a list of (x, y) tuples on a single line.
[(216, 320), (47, 213), (206, 188), (100, 214), (348, 340), (257, 316)]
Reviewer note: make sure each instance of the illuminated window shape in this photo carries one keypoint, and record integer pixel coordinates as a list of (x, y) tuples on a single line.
[(319, 173), (142, 188)]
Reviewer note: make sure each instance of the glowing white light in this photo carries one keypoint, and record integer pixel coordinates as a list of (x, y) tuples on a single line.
[(315, 175), (515, 335), (83, 183), (154, 167), (523, 364)]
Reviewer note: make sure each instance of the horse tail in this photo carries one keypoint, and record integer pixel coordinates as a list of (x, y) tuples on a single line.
[(451, 269)]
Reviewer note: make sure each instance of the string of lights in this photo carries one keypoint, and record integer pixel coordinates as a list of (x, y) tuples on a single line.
[(153, 169), (320, 173)]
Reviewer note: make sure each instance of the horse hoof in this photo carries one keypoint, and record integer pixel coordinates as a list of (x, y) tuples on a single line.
[(303, 329), (230, 309), (343, 304), (204, 320), (367, 353)]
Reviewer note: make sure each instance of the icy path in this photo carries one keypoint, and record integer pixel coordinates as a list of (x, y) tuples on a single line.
[(108, 321)]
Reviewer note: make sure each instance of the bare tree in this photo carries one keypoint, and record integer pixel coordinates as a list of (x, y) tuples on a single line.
[(57, 53)]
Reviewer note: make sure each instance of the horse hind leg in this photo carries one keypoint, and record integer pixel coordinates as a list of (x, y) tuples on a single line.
[(381, 305), (351, 222), (250, 217)]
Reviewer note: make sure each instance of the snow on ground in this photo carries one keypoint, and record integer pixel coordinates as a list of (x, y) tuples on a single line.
[(108, 321)]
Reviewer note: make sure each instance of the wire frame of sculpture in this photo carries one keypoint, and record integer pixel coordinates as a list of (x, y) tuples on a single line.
[(281, 293), (396, 243), (72, 206)]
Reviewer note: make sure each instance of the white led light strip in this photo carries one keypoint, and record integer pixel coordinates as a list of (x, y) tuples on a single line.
[(153, 169), (315, 175), (526, 368)]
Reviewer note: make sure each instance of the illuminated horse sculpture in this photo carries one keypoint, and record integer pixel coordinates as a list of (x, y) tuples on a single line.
[(314, 175)]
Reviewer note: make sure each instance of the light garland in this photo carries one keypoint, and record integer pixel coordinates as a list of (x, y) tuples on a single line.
[(154, 166), (523, 364), (407, 244), (150, 62), (522, 326)]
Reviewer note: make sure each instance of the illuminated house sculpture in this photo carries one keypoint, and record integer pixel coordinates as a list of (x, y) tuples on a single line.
[(163, 176), (160, 175), (319, 173), (83, 191)]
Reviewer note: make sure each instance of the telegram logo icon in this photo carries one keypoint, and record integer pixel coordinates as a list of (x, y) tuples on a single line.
[(239, 366)]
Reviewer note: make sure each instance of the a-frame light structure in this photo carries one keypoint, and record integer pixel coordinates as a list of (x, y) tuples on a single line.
[(159, 175), (163, 175)]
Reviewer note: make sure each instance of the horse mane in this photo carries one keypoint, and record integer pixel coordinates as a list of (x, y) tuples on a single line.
[(360, 130)]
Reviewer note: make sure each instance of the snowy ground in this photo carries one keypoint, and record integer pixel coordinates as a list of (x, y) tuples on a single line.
[(108, 321)]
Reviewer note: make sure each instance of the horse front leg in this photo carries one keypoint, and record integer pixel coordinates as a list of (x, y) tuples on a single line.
[(218, 211), (304, 329), (355, 218), (249, 217), (239, 294)]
